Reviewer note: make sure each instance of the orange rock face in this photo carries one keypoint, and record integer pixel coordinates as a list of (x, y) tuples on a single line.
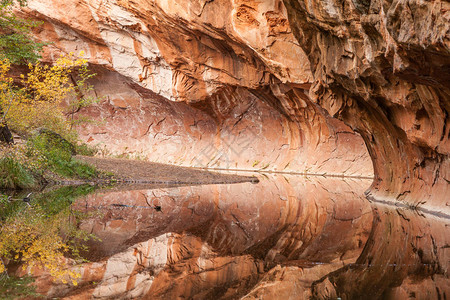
[(383, 68), (209, 84), (261, 79), (347, 87), (339, 87)]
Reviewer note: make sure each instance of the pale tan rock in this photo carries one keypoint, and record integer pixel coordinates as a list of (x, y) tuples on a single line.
[(250, 85), (380, 67)]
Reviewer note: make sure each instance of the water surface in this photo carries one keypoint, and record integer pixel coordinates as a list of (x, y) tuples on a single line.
[(287, 237)]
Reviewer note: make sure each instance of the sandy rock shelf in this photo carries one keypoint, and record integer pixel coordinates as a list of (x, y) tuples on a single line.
[(143, 172)]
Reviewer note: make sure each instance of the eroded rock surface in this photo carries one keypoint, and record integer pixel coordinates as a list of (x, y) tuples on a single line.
[(272, 69), (236, 64), (383, 67), (273, 85)]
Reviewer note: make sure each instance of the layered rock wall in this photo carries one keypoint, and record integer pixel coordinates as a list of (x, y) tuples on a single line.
[(233, 130), (276, 70), (238, 66), (383, 67)]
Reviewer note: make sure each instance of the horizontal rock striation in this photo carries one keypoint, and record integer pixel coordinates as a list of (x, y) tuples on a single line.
[(237, 66), (275, 70)]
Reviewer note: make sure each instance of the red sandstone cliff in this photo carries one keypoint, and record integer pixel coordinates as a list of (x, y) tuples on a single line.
[(274, 85), (263, 77), (383, 67), (238, 67), (259, 81)]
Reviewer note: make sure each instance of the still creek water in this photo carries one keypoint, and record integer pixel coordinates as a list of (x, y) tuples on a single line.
[(287, 237)]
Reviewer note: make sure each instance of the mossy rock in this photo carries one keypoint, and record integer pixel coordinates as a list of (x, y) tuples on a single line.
[(55, 140)]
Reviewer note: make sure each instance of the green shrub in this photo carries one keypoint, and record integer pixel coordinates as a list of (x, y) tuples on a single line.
[(73, 168), (55, 201), (12, 287), (85, 149), (13, 175), (57, 154)]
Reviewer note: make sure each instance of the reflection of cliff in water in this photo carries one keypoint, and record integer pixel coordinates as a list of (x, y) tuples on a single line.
[(406, 256), (284, 238)]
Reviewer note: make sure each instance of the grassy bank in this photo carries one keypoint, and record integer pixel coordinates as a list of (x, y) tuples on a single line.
[(43, 158)]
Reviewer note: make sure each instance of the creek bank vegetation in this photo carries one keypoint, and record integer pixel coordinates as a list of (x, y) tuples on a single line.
[(39, 235), (31, 106), (37, 143), (38, 102)]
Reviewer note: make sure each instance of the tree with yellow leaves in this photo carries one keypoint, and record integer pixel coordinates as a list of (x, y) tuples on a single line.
[(42, 235), (16, 45), (31, 236), (35, 99)]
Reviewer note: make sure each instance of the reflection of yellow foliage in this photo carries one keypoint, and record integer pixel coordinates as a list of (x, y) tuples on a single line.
[(2, 267), (34, 239), (37, 102)]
